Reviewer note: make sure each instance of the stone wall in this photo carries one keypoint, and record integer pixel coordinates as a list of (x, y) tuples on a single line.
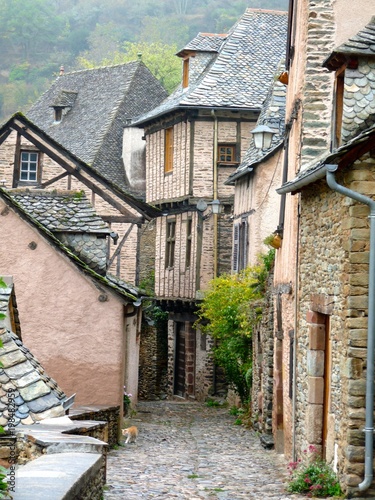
[(153, 361), (333, 323), (111, 415), (262, 389)]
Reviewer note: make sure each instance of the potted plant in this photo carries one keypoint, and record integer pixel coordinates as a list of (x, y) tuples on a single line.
[(273, 240)]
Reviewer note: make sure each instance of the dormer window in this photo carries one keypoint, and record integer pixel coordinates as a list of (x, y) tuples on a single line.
[(58, 114), (185, 73)]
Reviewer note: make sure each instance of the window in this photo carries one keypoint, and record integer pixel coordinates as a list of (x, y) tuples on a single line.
[(185, 73), (188, 242), (240, 246), (170, 243), (339, 108), (168, 150), (29, 166), (226, 153), (58, 114)]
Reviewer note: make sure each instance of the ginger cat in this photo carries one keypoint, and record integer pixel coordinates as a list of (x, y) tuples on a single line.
[(132, 433)]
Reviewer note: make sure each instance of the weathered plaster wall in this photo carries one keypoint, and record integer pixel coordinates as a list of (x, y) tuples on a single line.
[(257, 200), (76, 336)]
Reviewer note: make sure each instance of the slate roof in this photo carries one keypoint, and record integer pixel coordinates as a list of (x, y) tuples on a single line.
[(67, 211), (242, 71), (272, 115), (205, 42), (20, 123), (317, 170), (23, 381), (127, 292), (363, 44), (92, 125)]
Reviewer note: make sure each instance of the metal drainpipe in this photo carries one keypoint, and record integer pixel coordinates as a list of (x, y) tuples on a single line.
[(369, 426), (215, 222)]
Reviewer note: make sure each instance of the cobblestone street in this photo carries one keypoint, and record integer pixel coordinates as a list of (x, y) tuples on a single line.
[(191, 451)]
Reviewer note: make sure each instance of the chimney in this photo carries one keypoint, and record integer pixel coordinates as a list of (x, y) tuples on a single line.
[(61, 70)]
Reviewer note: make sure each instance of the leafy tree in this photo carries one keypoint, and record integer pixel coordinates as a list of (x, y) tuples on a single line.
[(158, 57), (228, 313)]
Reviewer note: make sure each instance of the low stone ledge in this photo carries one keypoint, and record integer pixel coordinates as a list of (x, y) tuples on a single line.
[(63, 476), (109, 414)]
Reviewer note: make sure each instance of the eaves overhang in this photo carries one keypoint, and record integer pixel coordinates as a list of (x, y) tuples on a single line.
[(252, 166), (128, 294), (343, 156), (185, 107)]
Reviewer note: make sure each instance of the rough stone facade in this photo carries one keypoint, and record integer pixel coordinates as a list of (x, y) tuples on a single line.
[(332, 333), (153, 361), (262, 388)]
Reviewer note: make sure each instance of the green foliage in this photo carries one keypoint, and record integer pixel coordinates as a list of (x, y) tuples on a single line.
[(160, 59), (229, 311), (3, 482), (38, 36), (316, 478)]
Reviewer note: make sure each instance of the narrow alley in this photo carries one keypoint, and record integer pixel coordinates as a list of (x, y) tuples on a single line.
[(191, 451)]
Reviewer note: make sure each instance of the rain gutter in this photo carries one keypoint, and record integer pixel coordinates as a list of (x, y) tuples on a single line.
[(369, 425)]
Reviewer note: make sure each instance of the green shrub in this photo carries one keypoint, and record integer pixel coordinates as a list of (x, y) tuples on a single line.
[(229, 312)]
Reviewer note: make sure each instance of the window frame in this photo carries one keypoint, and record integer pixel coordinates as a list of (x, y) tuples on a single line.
[(28, 171), (240, 245), (185, 72), (168, 150), (170, 243), (338, 107), (230, 146)]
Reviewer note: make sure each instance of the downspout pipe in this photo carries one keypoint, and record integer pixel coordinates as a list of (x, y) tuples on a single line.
[(215, 191), (369, 426)]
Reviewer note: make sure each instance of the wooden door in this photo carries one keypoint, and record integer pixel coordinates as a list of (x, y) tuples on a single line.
[(180, 360)]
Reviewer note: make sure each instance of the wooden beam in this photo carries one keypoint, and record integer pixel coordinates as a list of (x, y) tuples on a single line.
[(121, 219), (120, 245), (357, 151), (55, 179), (74, 170), (73, 166)]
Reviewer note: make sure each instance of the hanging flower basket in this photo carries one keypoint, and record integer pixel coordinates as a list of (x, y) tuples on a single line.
[(273, 240)]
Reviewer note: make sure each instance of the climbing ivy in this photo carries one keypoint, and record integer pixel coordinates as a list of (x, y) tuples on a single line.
[(229, 312)]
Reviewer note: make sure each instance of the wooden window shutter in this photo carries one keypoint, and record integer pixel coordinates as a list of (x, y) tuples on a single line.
[(185, 74), (168, 150), (236, 241), (243, 242)]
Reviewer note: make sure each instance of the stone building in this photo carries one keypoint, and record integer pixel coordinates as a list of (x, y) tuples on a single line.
[(86, 113), (323, 350), (194, 140)]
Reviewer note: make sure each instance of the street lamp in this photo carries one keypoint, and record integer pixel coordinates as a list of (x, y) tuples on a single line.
[(262, 136)]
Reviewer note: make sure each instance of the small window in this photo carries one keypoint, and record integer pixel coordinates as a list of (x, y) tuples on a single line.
[(29, 166), (168, 150), (58, 115), (227, 153), (240, 245), (170, 243), (339, 108), (185, 73), (188, 242)]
